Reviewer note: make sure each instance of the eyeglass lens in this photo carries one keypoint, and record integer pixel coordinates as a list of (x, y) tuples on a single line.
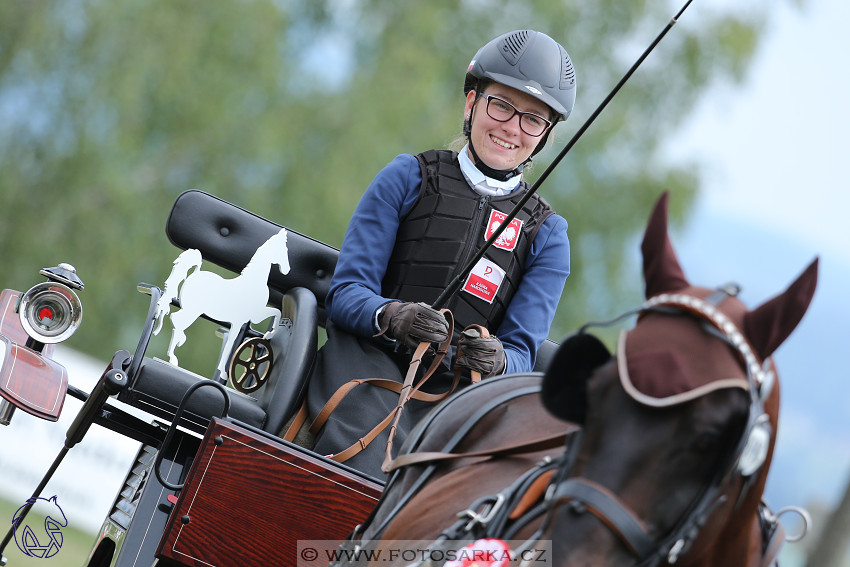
[(502, 110)]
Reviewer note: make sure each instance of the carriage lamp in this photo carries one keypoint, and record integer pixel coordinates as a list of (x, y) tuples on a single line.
[(51, 312), (48, 312)]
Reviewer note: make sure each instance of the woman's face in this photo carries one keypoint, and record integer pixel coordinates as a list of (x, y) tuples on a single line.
[(502, 145)]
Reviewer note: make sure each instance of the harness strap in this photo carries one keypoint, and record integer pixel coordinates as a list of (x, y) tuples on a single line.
[(532, 495), (474, 375), (773, 536), (541, 444), (605, 505), (772, 547), (456, 438), (406, 391)]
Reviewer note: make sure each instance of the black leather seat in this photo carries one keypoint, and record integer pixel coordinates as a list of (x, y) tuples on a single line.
[(229, 236), (159, 386), (545, 354)]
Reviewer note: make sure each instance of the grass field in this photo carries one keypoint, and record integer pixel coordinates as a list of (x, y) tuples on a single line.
[(74, 552)]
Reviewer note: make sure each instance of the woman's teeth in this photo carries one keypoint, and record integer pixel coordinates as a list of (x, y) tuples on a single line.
[(504, 144)]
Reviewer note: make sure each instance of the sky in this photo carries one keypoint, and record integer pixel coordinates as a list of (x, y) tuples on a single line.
[(776, 194), (779, 143)]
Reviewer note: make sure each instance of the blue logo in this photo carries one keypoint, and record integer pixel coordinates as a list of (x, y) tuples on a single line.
[(44, 542)]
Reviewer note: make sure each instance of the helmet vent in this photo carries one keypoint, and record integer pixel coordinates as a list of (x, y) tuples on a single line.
[(568, 72), (513, 45)]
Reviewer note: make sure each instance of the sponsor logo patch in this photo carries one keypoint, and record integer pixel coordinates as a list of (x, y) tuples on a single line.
[(484, 280)]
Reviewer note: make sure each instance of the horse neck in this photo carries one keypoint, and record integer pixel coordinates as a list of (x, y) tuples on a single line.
[(255, 269), (261, 263), (740, 541)]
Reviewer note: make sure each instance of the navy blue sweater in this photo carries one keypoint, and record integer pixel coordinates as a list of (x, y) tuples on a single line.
[(355, 290)]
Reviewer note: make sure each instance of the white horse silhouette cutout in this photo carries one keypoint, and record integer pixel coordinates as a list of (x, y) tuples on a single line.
[(235, 301)]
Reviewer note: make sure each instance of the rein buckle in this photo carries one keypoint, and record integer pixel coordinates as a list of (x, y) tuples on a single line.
[(486, 516)]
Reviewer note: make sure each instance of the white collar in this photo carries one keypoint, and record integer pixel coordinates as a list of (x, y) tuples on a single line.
[(482, 184)]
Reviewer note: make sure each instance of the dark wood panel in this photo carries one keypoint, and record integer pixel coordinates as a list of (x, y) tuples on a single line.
[(248, 500)]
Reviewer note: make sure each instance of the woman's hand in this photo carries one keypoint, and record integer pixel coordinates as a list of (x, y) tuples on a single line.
[(412, 323), (483, 354)]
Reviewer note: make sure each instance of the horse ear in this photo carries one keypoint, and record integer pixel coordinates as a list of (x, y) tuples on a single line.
[(661, 270), (564, 385), (769, 325)]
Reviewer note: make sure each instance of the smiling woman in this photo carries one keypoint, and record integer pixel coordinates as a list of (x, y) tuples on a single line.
[(416, 227), (501, 142), (523, 69)]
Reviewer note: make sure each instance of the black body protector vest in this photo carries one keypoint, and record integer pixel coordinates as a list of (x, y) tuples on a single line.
[(447, 224)]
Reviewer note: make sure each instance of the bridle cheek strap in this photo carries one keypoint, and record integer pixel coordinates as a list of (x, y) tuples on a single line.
[(605, 505)]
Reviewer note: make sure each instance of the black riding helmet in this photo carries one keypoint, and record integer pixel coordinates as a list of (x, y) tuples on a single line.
[(529, 61)]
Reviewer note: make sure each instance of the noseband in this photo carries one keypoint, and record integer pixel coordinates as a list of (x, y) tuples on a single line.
[(750, 452)]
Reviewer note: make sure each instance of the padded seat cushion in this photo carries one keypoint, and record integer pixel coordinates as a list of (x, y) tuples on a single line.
[(160, 387)]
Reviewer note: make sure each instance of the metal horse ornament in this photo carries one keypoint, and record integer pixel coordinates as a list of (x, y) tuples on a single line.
[(670, 463), (236, 301)]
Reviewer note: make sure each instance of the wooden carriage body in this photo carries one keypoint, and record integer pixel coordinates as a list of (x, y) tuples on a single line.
[(246, 497)]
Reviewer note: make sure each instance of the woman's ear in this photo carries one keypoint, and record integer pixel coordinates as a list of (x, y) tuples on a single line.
[(470, 102)]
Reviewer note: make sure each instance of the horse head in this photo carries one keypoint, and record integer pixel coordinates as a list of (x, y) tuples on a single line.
[(678, 425), (278, 253)]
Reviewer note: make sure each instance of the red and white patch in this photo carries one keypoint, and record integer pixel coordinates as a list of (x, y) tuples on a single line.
[(484, 280), (489, 552), (509, 237)]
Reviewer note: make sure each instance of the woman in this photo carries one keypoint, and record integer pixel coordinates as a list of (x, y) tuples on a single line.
[(419, 222)]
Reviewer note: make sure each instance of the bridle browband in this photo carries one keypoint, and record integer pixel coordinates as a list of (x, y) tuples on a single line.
[(747, 458)]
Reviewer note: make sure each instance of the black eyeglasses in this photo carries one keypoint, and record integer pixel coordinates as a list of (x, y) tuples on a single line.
[(501, 110)]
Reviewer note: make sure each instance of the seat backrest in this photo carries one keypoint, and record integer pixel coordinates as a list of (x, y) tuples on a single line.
[(545, 354), (228, 236), (294, 345)]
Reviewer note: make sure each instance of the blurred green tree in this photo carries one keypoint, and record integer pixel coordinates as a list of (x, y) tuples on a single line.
[(110, 109)]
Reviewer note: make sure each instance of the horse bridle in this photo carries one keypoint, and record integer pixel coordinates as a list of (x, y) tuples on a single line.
[(747, 458)]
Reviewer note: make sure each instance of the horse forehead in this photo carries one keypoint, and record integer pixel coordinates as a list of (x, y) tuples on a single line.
[(670, 359)]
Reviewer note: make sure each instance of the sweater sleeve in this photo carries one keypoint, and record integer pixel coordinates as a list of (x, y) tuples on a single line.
[(529, 316), (355, 290)]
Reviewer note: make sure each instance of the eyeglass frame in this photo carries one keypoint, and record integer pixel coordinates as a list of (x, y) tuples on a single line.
[(488, 97)]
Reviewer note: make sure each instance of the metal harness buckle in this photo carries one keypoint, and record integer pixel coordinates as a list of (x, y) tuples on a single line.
[(486, 516)]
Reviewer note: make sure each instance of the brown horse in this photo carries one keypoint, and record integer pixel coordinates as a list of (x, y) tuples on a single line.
[(677, 434)]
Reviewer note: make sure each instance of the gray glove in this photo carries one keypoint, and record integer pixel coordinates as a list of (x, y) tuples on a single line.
[(484, 355), (411, 323)]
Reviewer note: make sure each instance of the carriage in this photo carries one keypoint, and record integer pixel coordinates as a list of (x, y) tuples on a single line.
[(210, 456), (219, 481)]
